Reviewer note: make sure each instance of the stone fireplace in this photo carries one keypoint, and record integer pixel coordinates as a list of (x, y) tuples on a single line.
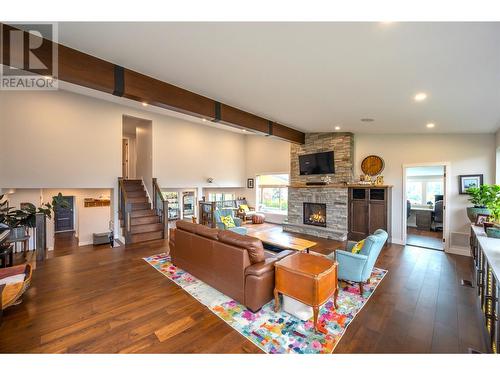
[(320, 210), (315, 214)]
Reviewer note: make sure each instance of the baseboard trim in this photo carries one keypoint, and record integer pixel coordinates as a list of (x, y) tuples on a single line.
[(84, 243), (465, 251), (397, 241)]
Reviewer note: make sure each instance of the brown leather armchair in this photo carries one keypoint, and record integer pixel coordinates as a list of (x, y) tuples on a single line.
[(235, 265)]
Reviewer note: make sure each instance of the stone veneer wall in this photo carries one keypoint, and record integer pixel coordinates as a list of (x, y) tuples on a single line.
[(336, 198), (336, 211), (341, 143)]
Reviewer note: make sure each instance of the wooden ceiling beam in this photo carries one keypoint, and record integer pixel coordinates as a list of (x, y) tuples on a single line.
[(89, 71)]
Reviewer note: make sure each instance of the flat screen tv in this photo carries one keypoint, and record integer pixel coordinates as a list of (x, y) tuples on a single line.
[(320, 163)]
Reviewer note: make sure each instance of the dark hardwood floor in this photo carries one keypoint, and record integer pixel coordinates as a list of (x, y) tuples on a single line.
[(424, 238), (103, 300)]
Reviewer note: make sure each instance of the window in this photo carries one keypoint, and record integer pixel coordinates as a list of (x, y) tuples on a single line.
[(422, 192), (272, 193), (219, 197)]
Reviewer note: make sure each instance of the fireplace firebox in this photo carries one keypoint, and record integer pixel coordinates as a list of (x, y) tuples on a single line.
[(315, 214)]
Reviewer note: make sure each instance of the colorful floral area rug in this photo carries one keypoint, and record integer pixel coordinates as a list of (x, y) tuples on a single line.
[(270, 331)]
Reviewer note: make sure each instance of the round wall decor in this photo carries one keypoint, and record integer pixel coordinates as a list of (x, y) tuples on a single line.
[(372, 165)]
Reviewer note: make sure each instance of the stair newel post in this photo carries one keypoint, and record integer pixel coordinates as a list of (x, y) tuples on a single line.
[(165, 219), (155, 196), (41, 236), (212, 213), (127, 218)]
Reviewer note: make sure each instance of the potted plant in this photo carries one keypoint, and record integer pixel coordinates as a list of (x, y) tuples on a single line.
[(479, 197), (492, 227)]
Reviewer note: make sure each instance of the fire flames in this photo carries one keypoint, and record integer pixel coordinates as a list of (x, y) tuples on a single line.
[(317, 218)]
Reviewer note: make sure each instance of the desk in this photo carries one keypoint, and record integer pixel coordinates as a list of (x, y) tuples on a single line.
[(424, 217)]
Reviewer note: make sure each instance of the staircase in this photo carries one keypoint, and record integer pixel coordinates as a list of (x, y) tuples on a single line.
[(139, 221)]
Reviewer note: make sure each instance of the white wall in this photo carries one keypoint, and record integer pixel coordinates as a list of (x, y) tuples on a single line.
[(186, 154), (265, 155), (467, 153), (57, 139), (497, 156)]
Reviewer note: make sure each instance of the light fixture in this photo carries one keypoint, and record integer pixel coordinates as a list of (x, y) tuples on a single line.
[(367, 120), (204, 119), (337, 128), (430, 125), (421, 96), (144, 104), (243, 130)]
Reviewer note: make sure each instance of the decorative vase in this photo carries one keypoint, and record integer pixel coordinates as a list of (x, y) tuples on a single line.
[(472, 212), (493, 232)]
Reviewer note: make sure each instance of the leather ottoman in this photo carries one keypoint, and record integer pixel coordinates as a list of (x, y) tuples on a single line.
[(258, 218)]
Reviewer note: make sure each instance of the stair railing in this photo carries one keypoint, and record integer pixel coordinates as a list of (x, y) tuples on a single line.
[(160, 205), (125, 209)]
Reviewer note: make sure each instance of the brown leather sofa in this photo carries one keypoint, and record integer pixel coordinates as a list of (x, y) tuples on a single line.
[(235, 265)]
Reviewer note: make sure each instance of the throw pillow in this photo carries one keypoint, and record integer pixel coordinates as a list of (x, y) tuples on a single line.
[(244, 207), (228, 221), (358, 247)]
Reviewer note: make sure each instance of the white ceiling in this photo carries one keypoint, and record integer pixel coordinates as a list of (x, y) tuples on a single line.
[(313, 76)]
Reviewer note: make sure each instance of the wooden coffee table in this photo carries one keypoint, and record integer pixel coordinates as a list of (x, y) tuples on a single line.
[(283, 241), (308, 278)]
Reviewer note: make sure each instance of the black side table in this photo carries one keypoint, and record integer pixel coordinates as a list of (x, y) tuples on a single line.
[(7, 253)]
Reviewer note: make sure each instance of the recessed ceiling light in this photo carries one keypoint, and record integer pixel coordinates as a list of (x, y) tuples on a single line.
[(337, 128), (144, 104), (244, 130), (204, 119), (430, 125), (421, 96), (367, 120)]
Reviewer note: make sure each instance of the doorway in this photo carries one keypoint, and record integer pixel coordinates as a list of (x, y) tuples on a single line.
[(64, 217), (129, 147), (424, 203)]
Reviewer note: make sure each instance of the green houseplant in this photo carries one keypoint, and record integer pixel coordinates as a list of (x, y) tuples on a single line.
[(479, 197), (493, 205)]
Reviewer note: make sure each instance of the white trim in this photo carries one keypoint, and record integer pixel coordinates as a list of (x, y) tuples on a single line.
[(397, 241), (465, 251), (446, 217), (84, 243)]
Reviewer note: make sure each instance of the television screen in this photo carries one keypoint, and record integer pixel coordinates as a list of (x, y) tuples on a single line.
[(320, 163)]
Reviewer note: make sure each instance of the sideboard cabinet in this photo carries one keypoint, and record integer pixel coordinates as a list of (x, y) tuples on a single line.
[(369, 209)]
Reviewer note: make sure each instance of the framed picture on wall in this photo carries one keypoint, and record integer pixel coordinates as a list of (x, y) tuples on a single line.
[(250, 184), (469, 180)]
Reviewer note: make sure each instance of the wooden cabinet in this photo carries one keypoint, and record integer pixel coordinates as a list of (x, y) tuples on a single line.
[(369, 210), (487, 268)]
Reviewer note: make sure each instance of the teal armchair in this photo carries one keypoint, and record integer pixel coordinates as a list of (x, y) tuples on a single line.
[(237, 221), (358, 267)]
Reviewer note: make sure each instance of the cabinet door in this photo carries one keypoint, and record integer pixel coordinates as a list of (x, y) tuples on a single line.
[(358, 220), (377, 216)]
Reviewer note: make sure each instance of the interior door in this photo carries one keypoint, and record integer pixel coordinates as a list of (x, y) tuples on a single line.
[(63, 218), (125, 158)]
